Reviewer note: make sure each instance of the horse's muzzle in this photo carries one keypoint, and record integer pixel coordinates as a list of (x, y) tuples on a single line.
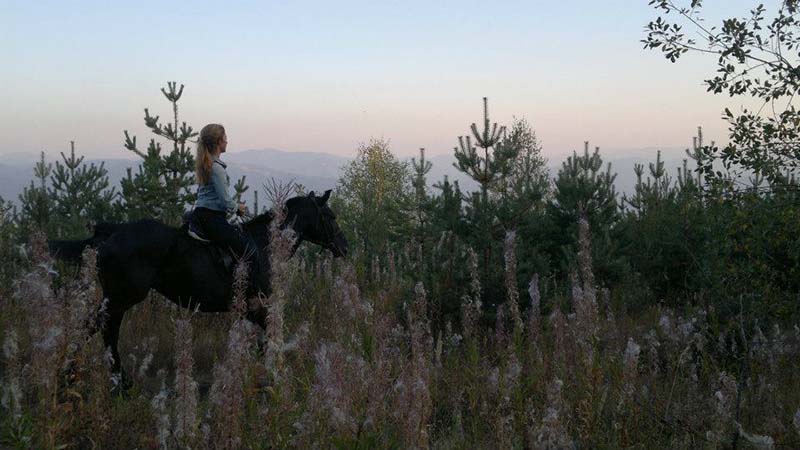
[(339, 245)]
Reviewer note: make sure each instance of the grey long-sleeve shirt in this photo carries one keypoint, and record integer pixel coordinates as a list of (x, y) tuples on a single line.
[(214, 194)]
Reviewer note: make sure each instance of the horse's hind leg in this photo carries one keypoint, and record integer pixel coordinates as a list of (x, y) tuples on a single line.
[(98, 323), (258, 316), (111, 328), (126, 282), (111, 339)]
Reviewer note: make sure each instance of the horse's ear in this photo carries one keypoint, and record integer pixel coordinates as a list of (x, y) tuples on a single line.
[(326, 196), (310, 194)]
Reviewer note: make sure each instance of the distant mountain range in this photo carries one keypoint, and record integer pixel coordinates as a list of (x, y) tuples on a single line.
[(317, 171)]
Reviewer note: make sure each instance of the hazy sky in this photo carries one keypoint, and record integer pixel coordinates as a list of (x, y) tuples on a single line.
[(324, 76)]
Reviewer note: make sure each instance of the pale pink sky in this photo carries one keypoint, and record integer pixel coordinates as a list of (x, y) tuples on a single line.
[(310, 77)]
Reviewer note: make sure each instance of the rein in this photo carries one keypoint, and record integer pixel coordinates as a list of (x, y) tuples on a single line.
[(247, 217), (329, 233)]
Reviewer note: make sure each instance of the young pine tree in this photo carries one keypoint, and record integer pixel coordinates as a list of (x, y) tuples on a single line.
[(667, 229), (489, 162), (524, 190), (80, 194), (422, 199), (35, 203), (521, 199), (162, 187), (9, 236), (447, 207), (584, 190), (493, 162)]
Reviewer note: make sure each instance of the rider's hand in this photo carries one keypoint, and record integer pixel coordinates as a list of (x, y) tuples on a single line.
[(242, 209)]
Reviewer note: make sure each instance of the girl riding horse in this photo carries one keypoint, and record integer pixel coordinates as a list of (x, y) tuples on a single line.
[(209, 218)]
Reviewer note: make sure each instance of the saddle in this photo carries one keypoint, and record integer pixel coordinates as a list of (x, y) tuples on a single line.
[(222, 256)]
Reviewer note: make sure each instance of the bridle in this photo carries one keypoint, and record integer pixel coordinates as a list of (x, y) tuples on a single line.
[(328, 231)]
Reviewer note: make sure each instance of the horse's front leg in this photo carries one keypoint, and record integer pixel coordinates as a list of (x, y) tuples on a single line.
[(111, 329), (258, 315)]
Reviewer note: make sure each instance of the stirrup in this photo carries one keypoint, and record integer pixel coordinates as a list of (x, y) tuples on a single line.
[(194, 235)]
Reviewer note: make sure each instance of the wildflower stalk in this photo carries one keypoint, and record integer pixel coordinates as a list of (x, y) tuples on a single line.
[(584, 298), (227, 394), (239, 301), (160, 407), (46, 325), (91, 360), (534, 317), (625, 412), (471, 302), (512, 292), (186, 393), (723, 408), (420, 405), (282, 270), (49, 323), (12, 383), (551, 431), (558, 323)]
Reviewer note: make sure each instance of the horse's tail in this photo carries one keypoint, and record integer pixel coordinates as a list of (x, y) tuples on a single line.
[(72, 251)]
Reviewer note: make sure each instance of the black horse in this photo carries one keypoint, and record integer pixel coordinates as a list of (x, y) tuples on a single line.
[(135, 257)]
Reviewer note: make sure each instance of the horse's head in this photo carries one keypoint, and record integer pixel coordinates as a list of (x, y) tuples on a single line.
[(314, 221)]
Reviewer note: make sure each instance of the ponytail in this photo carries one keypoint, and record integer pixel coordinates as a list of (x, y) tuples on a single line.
[(210, 137)]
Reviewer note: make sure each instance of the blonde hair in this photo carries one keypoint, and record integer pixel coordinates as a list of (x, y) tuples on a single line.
[(210, 137)]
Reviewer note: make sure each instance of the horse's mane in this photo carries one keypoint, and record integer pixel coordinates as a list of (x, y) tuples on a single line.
[(260, 221), (265, 218)]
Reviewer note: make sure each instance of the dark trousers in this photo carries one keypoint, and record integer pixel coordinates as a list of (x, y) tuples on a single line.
[(220, 232)]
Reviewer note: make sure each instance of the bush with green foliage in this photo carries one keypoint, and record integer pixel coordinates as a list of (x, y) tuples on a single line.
[(755, 57), (374, 198)]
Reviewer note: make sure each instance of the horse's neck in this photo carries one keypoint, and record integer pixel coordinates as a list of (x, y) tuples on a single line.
[(258, 228)]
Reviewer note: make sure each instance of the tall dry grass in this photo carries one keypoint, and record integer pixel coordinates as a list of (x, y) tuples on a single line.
[(352, 358)]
